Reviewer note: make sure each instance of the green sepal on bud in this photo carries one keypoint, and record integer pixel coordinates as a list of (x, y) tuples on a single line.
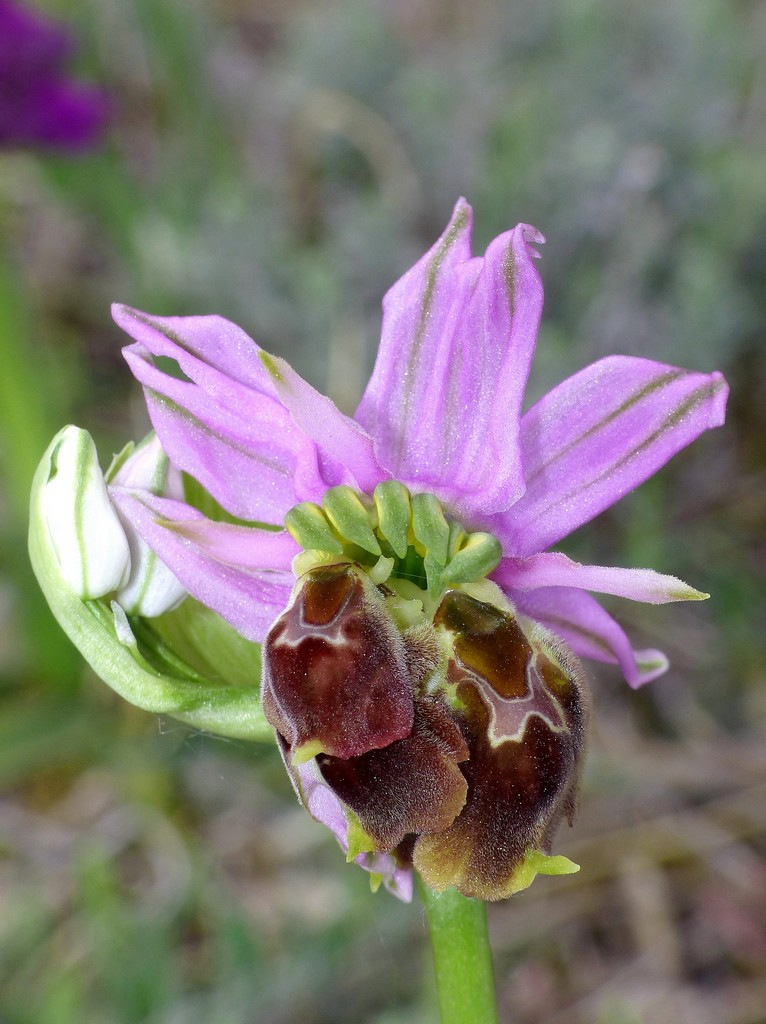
[(430, 527), (160, 665), (83, 528)]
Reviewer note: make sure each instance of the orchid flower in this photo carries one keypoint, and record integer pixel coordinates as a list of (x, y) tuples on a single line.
[(39, 106), (420, 634)]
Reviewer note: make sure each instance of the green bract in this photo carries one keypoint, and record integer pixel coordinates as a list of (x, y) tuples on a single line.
[(161, 665)]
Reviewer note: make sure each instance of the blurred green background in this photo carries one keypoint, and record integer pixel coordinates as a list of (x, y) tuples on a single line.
[(282, 162)]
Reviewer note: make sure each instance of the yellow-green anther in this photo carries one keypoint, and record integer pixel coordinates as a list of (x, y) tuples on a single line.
[(392, 501), (307, 524), (430, 527), (434, 575), (476, 559), (457, 538), (306, 560), (380, 572), (350, 518)]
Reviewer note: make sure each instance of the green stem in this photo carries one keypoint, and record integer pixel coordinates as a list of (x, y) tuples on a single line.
[(462, 957)]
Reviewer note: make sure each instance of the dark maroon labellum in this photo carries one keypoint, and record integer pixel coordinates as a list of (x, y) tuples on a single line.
[(335, 676), (455, 745), (523, 715), (413, 785)]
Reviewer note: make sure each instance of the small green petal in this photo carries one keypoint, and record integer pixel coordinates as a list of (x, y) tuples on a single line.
[(309, 527), (392, 501), (358, 838), (536, 863), (475, 560), (430, 527), (434, 575), (457, 538), (350, 518)]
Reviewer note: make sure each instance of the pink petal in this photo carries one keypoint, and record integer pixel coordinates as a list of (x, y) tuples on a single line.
[(590, 631), (553, 569), (458, 337), (337, 436), (600, 434), (247, 547), (248, 598), (224, 423)]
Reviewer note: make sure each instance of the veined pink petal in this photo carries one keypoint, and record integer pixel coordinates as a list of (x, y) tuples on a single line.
[(224, 423), (590, 631), (416, 318), (597, 436), (248, 598), (553, 569), (458, 337), (336, 435), (247, 547), (207, 348)]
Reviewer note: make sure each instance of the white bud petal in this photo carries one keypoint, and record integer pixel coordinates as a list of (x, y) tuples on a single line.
[(146, 467), (84, 528), (152, 588)]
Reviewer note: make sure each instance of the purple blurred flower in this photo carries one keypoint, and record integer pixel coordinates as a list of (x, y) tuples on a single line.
[(38, 105), (442, 414)]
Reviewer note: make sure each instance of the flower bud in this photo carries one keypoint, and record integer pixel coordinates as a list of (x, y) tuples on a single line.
[(85, 531), (189, 663), (151, 588)]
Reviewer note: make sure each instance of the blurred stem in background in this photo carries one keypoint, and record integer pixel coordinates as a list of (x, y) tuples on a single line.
[(25, 430), (23, 418)]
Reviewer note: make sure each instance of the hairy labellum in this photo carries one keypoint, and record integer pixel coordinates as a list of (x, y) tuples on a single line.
[(453, 744), (521, 705), (335, 675)]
